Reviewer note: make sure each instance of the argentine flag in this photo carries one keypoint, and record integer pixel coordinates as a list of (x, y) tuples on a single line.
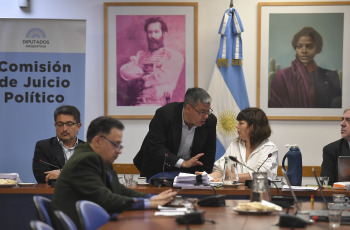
[(227, 87)]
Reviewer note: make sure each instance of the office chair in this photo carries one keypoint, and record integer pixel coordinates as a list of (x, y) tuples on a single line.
[(43, 206), (91, 215), (65, 220), (39, 225)]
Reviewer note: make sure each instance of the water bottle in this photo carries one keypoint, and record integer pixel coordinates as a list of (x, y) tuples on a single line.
[(295, 170), (260, 187)]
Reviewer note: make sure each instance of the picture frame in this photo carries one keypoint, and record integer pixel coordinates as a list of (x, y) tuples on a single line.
[(278, 23), (132, 89)]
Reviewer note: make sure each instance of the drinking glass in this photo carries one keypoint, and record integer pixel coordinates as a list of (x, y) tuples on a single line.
[(128, 178), (121, 180), (340, 199), (190, 204), (334, 215), (323, 180)]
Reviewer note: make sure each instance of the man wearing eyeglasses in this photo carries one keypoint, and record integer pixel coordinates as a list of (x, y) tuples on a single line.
[(51, 154), (181, 138), (89, 175)]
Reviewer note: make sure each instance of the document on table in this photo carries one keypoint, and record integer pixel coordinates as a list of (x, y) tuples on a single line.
[(170, 211), (299, 188)]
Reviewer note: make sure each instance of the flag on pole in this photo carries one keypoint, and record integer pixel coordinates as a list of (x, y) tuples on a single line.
[(227, 87)]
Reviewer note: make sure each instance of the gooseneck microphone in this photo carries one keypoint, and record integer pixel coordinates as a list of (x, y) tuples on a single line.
[(47, 163), (235, 160), (268, 156), (165, 155)]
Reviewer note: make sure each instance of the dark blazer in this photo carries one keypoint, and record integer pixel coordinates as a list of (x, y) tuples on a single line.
[(331, 152), (50, 151), (87, 177), (164, 137)]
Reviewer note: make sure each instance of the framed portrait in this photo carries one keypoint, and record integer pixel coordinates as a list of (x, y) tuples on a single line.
[(302, 56), (150, 56)]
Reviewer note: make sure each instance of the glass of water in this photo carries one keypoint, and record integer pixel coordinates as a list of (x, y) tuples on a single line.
[(334, 215), (323, 180)]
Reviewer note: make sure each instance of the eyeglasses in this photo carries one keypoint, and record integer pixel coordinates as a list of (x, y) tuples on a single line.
[(68, 124), (117, 147), (203, 113)]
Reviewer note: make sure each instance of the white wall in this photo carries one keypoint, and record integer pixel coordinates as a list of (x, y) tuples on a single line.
[(310, 135)]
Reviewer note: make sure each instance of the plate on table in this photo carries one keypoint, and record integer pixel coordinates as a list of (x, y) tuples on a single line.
[(231, 185), (257, 208), (252, 212), (26, 184), (7, 185)]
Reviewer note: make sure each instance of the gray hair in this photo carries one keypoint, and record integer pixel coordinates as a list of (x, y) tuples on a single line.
[(347, 109), (195, 95)]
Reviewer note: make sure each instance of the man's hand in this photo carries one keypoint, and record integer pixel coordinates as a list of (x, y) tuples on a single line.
[(163, 198), (52, 174), (193, 161)]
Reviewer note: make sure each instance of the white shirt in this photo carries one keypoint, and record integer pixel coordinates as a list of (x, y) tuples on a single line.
[(257, 157), (67, 152), (185, 147)]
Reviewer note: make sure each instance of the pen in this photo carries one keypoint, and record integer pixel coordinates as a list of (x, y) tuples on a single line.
[(312, 200)]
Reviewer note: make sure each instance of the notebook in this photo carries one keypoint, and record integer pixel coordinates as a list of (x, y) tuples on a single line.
[(344, 168)]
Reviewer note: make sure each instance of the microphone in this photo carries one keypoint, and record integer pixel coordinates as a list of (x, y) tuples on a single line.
[(47, 163), (235, 160), (163, 180), (163, 177), (268, 156)]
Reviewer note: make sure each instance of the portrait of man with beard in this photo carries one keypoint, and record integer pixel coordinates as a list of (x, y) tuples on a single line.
[(152, 75)]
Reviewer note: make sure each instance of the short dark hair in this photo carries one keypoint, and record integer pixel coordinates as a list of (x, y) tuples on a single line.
[(102, 125), (256, 118), (148, 21), (67, 110), (313, 34), (193, 95)]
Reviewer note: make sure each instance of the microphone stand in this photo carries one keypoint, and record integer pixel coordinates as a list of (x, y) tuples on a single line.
[(235, 160), (163, 180)]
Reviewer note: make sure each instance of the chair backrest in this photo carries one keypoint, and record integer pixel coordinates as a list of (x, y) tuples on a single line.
[(43, 207), (39, 225), (91, 215), (65, 220)]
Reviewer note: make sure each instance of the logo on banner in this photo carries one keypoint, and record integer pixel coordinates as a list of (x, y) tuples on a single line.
[(35, 38)]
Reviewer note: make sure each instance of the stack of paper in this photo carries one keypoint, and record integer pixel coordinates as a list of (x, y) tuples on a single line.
[(299, 188), (189, 181), (170, 211), (12, 176), (342, 185)]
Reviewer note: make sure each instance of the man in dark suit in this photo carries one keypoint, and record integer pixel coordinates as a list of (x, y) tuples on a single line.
[(332, 151), (51, 154), (181, 137), (89, 175)]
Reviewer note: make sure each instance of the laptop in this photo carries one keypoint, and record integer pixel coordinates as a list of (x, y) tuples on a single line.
[(344, 168)]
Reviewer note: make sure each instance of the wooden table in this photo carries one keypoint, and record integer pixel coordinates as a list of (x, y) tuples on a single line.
[(241, 192), (224, 217), (17, 206)]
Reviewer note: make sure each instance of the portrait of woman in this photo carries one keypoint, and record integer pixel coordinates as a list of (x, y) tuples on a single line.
[(305, 84), (252, 147)]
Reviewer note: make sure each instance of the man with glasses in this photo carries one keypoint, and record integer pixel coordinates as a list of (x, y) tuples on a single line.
[(89, 175), (332, 151), (51, 154), (181, 138)]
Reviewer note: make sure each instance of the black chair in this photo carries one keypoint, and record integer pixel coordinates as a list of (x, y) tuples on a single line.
[(43, 206)]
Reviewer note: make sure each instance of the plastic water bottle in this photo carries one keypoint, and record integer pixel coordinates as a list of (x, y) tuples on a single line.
[(295, 170)]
